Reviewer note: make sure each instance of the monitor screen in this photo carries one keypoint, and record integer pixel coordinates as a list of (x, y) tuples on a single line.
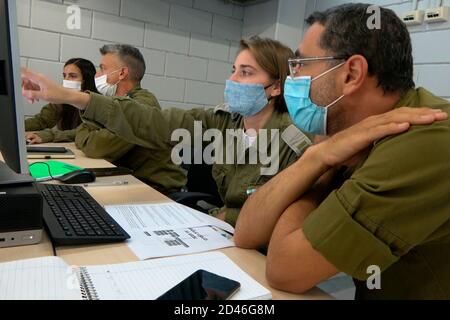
[(12, 128)]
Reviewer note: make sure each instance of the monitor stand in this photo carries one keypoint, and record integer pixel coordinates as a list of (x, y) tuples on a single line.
[(9, 177)]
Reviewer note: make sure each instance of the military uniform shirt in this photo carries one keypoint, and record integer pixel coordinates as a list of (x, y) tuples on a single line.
[(394, 213), (151, 166)]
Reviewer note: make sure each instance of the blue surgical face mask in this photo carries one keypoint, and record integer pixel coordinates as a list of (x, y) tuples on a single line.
[(247, 99), (305, 114)]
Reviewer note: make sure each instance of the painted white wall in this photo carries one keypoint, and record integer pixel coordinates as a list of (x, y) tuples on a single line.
[(260, 19), (291, 21), (278, 19), (189, 45)]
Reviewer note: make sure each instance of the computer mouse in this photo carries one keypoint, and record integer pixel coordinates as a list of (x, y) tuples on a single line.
[(76, 177)]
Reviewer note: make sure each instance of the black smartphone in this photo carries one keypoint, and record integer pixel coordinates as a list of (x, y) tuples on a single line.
[(202, 285)]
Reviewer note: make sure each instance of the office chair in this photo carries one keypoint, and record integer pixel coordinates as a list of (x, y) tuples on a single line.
[(202, 193)]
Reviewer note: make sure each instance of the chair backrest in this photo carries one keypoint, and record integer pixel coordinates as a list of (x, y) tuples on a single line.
[(200, 179)]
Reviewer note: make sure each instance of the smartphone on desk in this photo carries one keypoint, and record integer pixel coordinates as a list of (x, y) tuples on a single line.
[(202, 285)]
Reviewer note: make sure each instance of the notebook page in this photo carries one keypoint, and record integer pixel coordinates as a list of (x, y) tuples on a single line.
[(147, 280), (48, 278)]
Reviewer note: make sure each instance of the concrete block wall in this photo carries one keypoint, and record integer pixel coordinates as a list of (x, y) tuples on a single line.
[(431, 45), (189, 45)]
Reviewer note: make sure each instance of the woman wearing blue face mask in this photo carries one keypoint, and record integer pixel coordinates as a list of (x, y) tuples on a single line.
[(254, 101), (57, 122)]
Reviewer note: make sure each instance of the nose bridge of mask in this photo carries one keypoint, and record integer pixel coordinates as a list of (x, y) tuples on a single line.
[(242, 89)]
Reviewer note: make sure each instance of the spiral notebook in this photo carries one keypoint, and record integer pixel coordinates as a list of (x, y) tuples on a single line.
[(50, 278)]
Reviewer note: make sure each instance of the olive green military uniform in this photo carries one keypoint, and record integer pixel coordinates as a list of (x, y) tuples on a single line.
[(394, 213), (47, 118), (153, 128), (45, 124), (154, 168)]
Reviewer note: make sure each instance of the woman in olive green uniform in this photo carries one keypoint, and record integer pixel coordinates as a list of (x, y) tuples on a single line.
[(254, 101), (58, 122)]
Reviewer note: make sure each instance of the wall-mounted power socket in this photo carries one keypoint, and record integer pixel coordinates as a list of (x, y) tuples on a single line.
[(440, 14), (413, 18)]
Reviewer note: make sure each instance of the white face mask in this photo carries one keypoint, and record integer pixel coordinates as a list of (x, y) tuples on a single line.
[(106, 89), (74, 85)]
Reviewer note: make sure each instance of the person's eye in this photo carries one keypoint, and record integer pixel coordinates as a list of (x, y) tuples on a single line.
[(245, 73)]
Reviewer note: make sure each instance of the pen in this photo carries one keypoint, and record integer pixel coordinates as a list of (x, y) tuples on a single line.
[(107, 184)]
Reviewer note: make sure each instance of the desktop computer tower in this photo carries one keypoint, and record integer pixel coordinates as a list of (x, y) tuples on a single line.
[(21, 220)]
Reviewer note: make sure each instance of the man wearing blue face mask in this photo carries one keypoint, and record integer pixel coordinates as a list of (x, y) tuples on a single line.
[(303, 111), (371, 201)]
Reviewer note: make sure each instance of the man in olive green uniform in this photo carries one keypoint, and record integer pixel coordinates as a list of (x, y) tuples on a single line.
[(391, 215), (121, 70), (235, 181)]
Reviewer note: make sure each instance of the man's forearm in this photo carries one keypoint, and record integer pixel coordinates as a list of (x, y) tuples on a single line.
[(261, 211), (79, 99), (289, 246)]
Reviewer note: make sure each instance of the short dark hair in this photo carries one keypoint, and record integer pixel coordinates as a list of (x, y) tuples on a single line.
[(388, 50), (131, 56)]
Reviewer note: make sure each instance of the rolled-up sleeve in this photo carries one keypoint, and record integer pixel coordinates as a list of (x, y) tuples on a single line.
[(344, 242), (396, 201)]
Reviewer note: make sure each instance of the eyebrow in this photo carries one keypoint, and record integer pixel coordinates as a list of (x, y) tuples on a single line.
[(245, 66)]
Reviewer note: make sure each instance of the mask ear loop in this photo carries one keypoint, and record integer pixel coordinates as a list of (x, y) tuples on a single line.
[(113, 73), (335, 101), (328, 71), (265, 88)]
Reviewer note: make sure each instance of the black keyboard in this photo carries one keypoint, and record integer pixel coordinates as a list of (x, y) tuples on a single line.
[(73, 217)]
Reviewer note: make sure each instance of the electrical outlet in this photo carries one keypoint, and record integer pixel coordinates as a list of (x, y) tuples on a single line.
[(413, 18), (440, 14)]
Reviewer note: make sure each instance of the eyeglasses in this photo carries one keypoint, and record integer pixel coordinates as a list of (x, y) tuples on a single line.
[(295, 64)]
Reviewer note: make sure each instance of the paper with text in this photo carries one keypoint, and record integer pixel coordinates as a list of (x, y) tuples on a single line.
[(167, 229)]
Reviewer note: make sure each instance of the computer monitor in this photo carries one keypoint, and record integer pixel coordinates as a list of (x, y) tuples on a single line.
[(12, 129)]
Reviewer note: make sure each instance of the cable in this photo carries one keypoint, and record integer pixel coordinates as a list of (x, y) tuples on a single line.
[(54, 249), (48, 166)]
